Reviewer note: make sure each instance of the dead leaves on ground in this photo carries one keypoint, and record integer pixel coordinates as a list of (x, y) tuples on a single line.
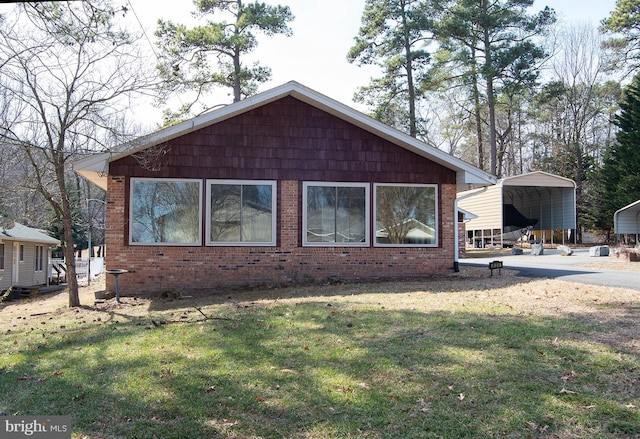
[(535, 427)]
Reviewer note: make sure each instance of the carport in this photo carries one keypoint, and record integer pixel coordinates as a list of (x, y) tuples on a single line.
[(537, 206), (626, 221)]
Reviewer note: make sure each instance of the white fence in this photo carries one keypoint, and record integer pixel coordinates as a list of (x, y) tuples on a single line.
[(94, 266)]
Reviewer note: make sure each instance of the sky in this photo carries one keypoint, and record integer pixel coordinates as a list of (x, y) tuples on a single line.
[(324, 31)]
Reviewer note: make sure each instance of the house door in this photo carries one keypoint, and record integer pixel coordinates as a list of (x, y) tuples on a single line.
[(15, 269)]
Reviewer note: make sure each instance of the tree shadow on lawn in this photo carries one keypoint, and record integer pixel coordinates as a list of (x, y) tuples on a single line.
[(312, 370), (468, 279)]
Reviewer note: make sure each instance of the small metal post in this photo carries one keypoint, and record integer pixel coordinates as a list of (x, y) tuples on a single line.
[(117, 290)]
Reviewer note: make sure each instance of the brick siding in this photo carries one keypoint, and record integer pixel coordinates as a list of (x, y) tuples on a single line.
[(161, 268), (288, 141)]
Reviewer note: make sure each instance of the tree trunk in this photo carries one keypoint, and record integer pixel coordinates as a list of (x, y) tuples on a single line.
[(413, 129), (237, 90), (579, 181), (489, 75), (67, 222), (476, 109)]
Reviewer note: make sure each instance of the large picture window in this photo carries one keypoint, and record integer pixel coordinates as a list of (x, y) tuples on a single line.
[(241, 212), (406, 215), (335, 214), (166, 211)]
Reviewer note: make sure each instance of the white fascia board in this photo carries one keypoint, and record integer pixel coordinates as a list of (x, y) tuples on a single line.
[(628, 206), (94, 168)]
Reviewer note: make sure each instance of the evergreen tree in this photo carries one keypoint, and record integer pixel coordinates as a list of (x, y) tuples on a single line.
[(494, 41), (624, 22), (202, 58), (394, 35), (621, 168)]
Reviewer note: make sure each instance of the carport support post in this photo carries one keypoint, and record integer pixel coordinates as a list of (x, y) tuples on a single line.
[(456, 245)]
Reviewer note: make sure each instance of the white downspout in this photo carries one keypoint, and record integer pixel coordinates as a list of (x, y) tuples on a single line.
[(456, 245)]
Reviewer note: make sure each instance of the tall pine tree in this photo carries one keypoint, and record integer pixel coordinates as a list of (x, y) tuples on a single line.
[(495, 41), (621, 168), (199, 59), (395, 35)]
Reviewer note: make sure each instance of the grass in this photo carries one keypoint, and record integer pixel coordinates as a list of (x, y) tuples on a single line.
[(342, 361)]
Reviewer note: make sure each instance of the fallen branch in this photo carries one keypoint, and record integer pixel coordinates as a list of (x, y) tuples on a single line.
[(159, 323), (213, 318)]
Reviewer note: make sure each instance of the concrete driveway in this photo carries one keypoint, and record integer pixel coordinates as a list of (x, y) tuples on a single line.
[(568, 268)]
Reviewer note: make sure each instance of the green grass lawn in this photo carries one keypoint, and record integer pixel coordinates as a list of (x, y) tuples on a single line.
[(331, 366)]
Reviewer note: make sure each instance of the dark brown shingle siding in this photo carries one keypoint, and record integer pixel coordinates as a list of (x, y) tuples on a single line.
[(289, 140)]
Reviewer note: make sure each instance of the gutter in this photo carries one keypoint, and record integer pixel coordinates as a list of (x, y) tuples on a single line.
[(456, 245)]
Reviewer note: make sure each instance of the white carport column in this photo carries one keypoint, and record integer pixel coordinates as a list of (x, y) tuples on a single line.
[(456, 245)]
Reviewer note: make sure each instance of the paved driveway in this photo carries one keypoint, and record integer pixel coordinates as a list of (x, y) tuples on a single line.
[(568, 268)]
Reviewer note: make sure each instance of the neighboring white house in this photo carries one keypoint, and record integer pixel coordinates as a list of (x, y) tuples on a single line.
[(25, 253)]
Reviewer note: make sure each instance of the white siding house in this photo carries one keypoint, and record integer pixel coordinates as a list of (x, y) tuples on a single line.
[(25, 253)]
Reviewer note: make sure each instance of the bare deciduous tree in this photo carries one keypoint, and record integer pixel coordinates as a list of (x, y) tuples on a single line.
[(68, 72)]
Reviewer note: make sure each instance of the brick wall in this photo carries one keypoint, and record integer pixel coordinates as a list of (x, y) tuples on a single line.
[(159, 268)]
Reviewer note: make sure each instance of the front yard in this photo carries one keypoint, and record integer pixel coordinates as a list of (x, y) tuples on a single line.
[(463, 356)]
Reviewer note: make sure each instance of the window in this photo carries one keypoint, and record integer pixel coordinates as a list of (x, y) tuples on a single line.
[(165, 211), (21, 252), (241, 212), (39, 265), (1, 256), (335, 214), (406, 215)]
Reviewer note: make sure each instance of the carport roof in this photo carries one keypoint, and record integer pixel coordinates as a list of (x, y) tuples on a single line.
[(539, 179)]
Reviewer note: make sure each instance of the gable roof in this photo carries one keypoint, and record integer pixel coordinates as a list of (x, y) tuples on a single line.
[(627, 219), (537, 178), (19, 232), (95, 168)]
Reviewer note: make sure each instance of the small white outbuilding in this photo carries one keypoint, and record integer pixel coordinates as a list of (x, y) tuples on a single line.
[(25, 254), (626, 221)]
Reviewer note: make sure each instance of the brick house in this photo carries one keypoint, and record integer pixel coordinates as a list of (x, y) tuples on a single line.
[(286, 186)]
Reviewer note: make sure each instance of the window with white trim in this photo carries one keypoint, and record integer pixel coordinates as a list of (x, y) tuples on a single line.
[(241, 212), (21, 252), (39, 265), (1, 256), (165, 211), (406, 215), (335, 214)]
